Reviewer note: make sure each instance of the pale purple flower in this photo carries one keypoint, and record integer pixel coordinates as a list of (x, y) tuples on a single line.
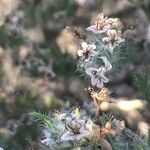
[(87, 50), (98, 77), (75, 129)]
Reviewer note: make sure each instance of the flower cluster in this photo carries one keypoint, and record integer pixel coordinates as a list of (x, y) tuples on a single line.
[(76, 131), (97, 74), (66, 127), (109, 30), (103, 24), (97, 57), (76, 128), (112, 39)]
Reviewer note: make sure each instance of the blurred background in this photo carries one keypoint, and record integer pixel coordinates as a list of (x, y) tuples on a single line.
[(38, 64)]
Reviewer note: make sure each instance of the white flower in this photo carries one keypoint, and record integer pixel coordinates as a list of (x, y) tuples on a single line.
[(87, 49), (75, 129), (98, 77)]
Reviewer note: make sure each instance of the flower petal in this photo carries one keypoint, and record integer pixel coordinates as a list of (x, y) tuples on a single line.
[(80, 53), (89, 71), (93, 47), (68, 136), (84, 133), (91, 28), (104, 79), (99, 84), (73, 137), (46, 141), (84, 45), (94, 80), (108, 65)]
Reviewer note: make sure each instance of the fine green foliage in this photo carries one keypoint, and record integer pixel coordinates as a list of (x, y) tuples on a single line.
[(143, 82), (38, 15), (20, 141), (7, 40), (43, 119)]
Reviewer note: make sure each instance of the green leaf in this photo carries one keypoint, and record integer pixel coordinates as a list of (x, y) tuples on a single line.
[(44, 119)]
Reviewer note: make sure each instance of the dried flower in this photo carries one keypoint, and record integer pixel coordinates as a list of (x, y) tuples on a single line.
[(101, 96), (115, 23), (87, 50), (96, 130), (103, 24), (98, 75), (98, 98), (107, 130), (75, 129), (110, 30), (100, 21), (100, 25), (112, 38)]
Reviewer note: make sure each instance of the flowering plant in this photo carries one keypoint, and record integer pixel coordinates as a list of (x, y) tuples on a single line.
[(75, 130)]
